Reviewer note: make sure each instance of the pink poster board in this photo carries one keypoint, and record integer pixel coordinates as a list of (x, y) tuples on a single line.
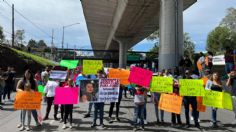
[(140, 76), (66, 95)]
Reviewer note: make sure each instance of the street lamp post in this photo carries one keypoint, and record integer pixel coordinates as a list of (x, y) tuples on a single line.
[(62, 44)]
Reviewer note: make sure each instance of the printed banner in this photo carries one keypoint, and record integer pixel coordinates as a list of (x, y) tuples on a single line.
[(218, 99), (60, 75), (140, 76), (28, 100), (191, 87), (89, 90), (121, 74), (92, 66), (71, 64), (41, 89), (170, 103), (162, 84), (109, 90), (66, 95)]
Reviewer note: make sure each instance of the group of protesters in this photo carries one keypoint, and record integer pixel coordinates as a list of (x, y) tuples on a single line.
[(7, 82), (30, 82)]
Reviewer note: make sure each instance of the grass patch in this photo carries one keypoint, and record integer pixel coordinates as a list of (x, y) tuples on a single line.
[(38, 59)]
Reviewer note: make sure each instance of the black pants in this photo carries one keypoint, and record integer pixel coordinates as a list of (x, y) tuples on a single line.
[(49, 105), (117, 108), (173, 118), (7, 91), (62, 111), (193, 102), (68, 112)]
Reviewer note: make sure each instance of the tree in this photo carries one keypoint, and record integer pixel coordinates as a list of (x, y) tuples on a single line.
[(229, 20), (19, 36), (32, 43), (2, 37), (189, 46), (220, 38), (42, 44)]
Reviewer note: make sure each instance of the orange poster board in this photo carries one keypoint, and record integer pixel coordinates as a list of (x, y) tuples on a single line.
[(28, 100), (200, 106), (121, 74), (170, 103)]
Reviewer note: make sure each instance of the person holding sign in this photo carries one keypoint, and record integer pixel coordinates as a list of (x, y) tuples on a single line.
[(139, 102), (98, 106), (68, 107), (27, 84), (187, 100), (232, 82), (214, 84), (50, 93)]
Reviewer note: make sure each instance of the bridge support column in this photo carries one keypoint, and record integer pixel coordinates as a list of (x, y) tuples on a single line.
[(122, 52), (171, 33)]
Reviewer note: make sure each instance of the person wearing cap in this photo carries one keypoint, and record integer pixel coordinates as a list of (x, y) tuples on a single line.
[(231, 82), (189, 100)]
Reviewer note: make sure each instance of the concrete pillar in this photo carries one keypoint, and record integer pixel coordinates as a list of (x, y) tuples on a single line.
[(171, 33), (122, 54)]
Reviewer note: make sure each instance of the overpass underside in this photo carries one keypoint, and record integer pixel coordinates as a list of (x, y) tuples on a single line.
[(120, 24)]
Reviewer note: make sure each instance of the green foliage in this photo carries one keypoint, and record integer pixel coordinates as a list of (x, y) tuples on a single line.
[(219, 39), (43, 61), (41, 43), (229, 20), (189, 46), (2, 37), (32, 43), (19, 36)]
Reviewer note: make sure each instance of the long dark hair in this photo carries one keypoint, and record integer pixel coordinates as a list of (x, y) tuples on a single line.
[(31, 80)]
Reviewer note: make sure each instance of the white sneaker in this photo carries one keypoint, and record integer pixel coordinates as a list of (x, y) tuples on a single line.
[(191, 118), (28, 128), (22, 128), (145, 122), (199, 120), (19, 125), (64, 126), (70, 126)]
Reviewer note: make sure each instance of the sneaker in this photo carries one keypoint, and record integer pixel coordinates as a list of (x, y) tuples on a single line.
[(187, 126), (191, 118), (19, 126), (102, 125), (93, 125), (61, 120), (45, 118), (86, 115), (214, 125), (64, 126), (28, 128), (117, 119), (135, 128), (110, 120), (70, 126), (38, 124), (145, 122), (141, 128), (199, 120), (22, 128)]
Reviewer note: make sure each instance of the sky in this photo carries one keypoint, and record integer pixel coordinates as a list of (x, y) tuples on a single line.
[(48, 15)]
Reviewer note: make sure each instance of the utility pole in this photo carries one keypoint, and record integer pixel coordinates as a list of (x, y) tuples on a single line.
[(13, 32), (62, 44), (52, 45)]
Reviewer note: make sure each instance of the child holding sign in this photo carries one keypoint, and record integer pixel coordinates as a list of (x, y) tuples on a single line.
[(139, 102), (68, 107)]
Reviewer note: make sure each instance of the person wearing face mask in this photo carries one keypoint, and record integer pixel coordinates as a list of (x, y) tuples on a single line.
[(231, 82)]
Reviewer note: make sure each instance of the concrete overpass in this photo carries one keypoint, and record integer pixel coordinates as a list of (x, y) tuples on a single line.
[(120, 24)]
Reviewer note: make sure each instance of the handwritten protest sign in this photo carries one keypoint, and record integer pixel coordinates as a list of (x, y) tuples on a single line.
[(60, 75), (191, 87), (140, 76), (170, 103), (66, 95), (41, 89), (92, 66), (108, 90), (218, 99), (162, 84), (121, 74), (71, 64), (28, 100)]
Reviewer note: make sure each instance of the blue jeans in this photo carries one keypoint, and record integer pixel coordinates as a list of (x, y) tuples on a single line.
[(157, 113), (98, 107), (214, 115), (139, 113), (90, 107), (35, 115), (228, 67)]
